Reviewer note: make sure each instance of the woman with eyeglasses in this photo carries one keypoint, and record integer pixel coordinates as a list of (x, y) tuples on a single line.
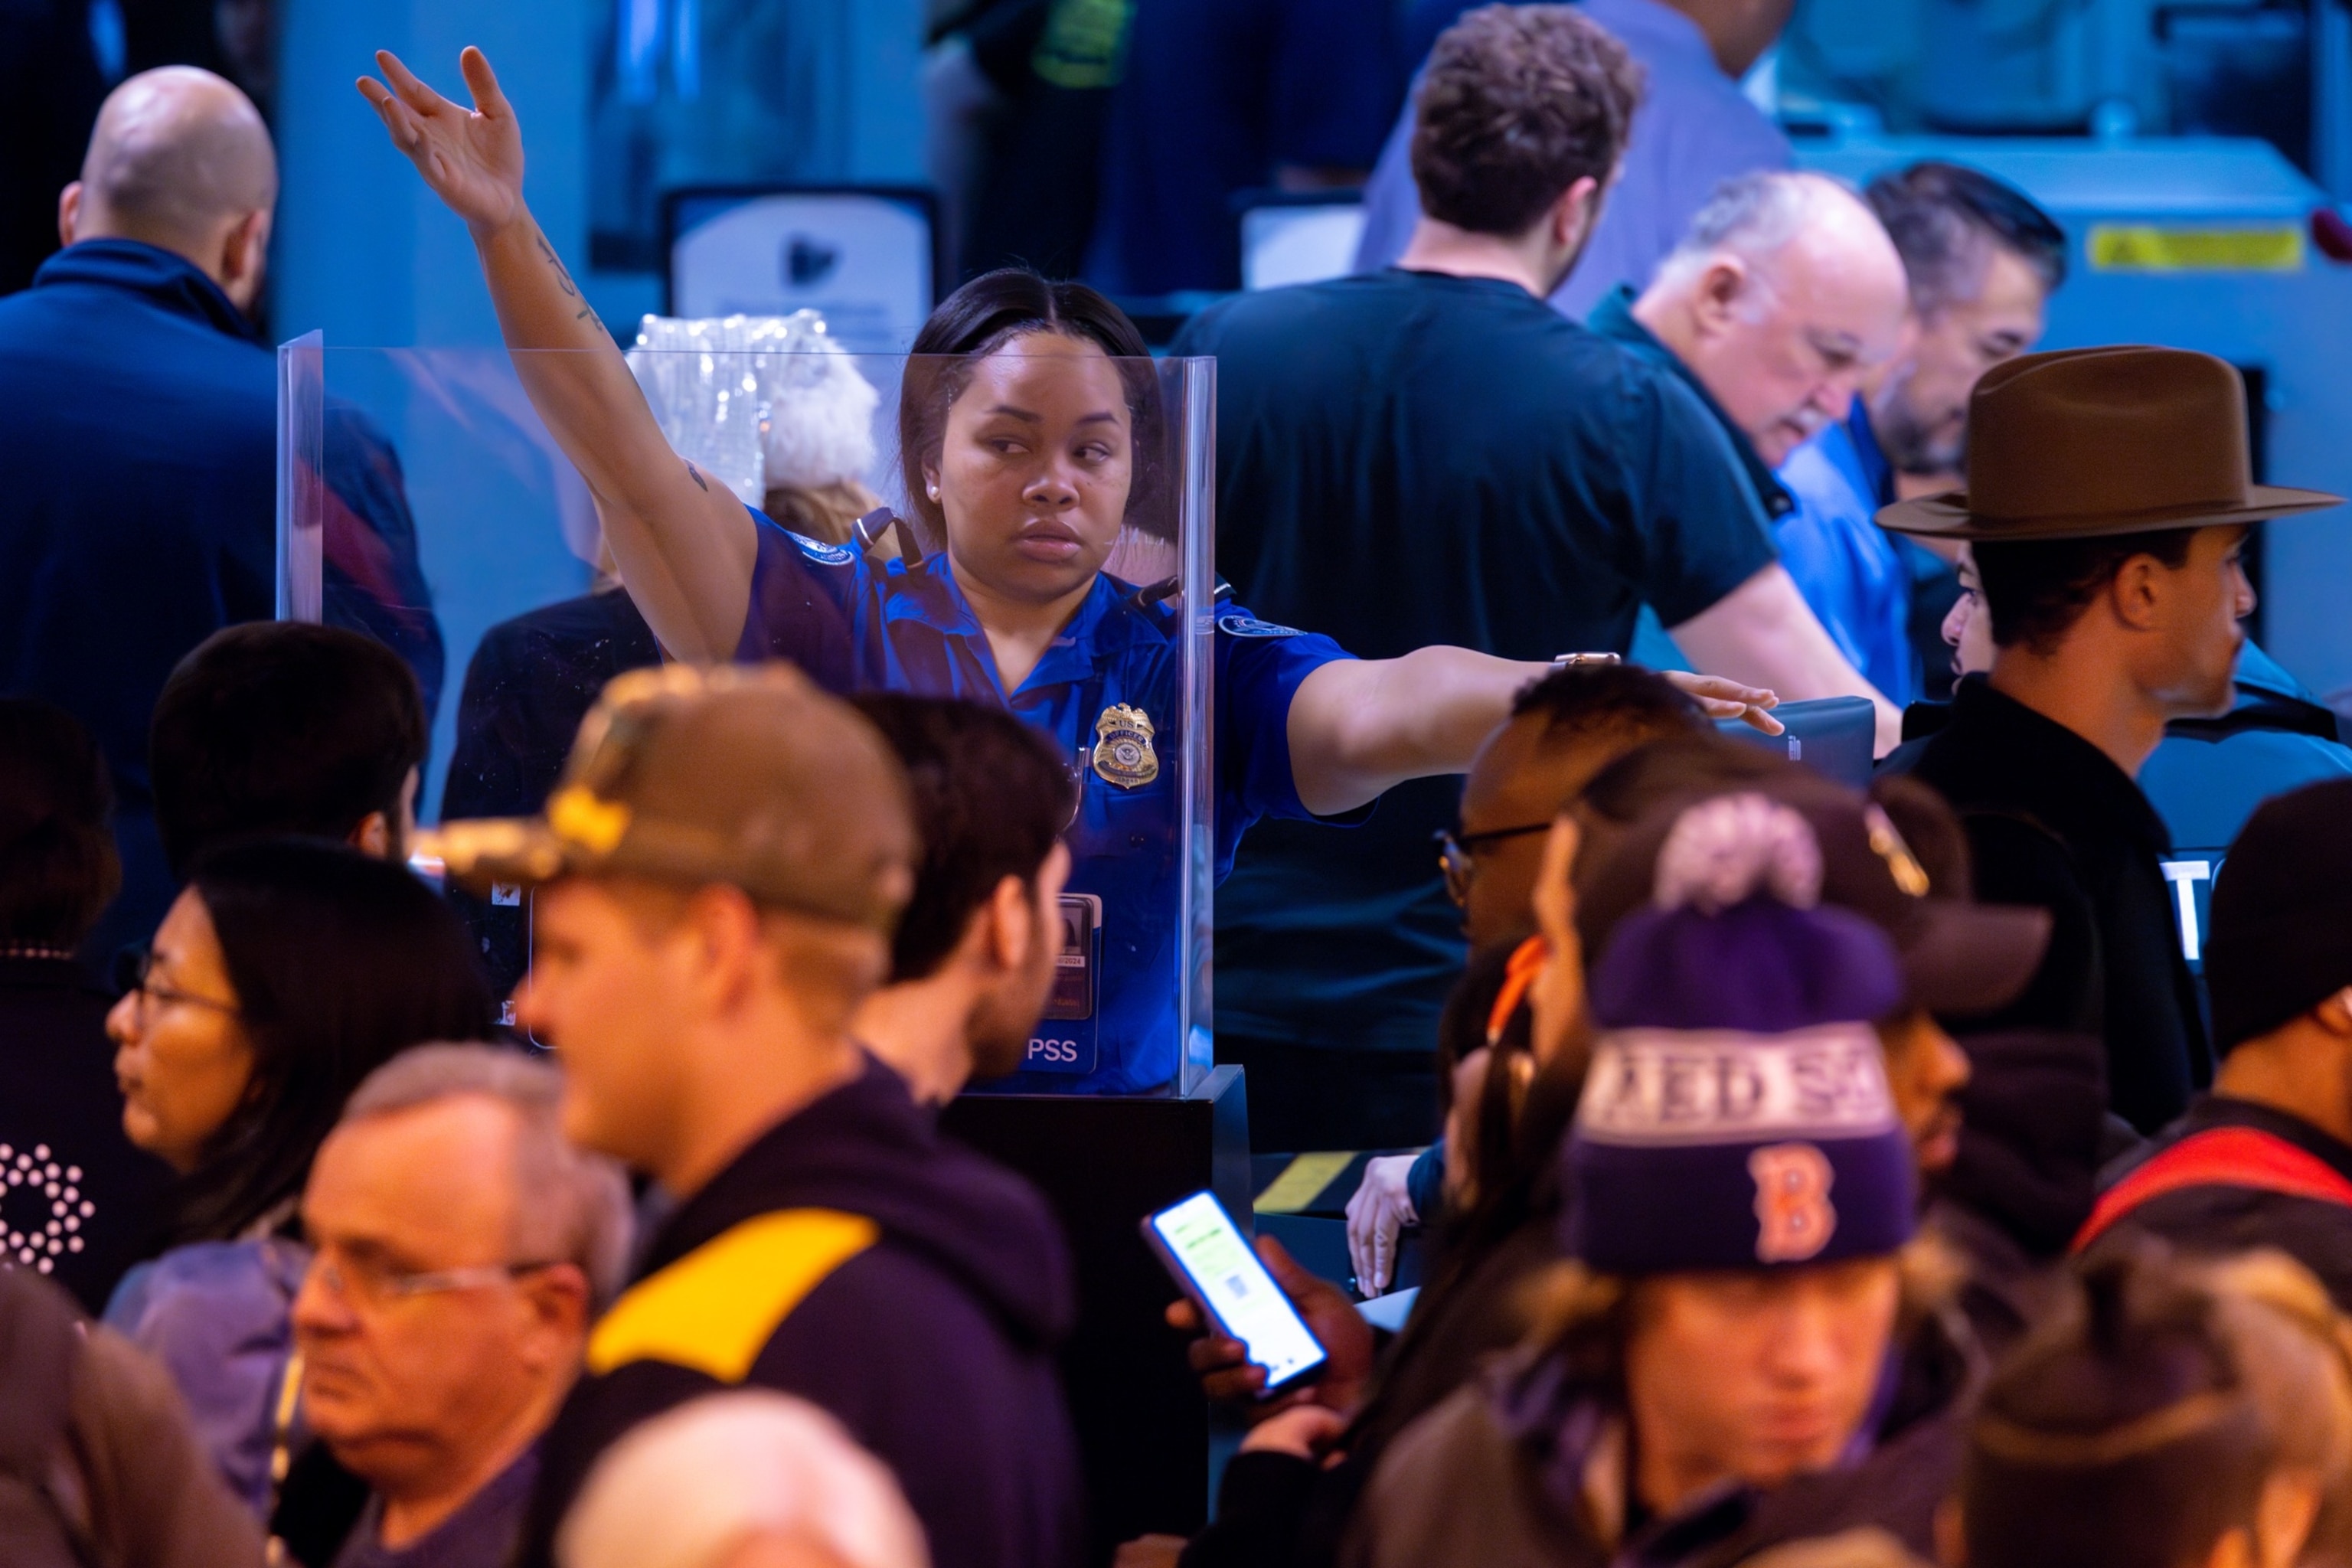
[(285, 973)]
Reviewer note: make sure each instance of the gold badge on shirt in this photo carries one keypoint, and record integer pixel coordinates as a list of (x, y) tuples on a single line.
[(1123, 753)]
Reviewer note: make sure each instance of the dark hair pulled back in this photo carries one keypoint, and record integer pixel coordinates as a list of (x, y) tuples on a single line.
[(987, 316), (339, 962)]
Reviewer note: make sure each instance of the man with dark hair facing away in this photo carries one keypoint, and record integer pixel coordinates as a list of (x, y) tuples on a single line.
[(1430, 454), (2265, 1160), (282, 726), (972, 962), (1695, 128), (2110, 497), (1982, 261)]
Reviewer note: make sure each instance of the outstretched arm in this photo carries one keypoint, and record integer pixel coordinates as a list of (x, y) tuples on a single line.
[(684, 542), (1358, 726)]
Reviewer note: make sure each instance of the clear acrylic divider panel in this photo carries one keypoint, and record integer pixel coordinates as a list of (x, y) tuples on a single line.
[(422, 501)]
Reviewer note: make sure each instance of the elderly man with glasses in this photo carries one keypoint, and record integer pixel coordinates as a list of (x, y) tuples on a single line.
[(445, 1313)]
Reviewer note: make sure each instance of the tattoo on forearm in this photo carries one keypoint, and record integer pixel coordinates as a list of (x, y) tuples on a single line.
[(696, 475), (562, 276)]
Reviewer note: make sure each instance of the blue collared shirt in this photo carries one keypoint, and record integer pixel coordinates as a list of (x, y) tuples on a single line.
[(853, 625), (1695, 128), (1854, 574)]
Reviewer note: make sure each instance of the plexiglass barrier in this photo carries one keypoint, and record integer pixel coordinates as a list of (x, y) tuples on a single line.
[(422, 501)]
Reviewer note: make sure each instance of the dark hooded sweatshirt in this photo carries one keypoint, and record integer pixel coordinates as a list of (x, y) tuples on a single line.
[(855, 1259)]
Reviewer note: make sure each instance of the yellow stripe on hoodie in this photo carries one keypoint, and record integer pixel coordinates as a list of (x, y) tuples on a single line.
[(714, 1309)]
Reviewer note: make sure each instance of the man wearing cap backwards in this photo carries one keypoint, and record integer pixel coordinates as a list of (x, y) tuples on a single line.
[(2108, 500), (718, 874), (1717, 1371), (2265, 1160)]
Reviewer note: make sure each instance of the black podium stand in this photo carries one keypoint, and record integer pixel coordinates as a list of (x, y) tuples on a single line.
[(1104, 1163)]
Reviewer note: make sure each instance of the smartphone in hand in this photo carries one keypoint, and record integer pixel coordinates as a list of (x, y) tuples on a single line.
[(1210, 1258)]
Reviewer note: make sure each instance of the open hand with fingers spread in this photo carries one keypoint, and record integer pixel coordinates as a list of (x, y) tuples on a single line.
[(471, 158)]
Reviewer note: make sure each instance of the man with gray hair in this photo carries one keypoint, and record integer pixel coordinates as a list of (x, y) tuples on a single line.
[(1784, 294), (1982, 261), (462, 1249), (141, 446)]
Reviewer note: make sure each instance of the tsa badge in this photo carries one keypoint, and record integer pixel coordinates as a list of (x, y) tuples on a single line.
[(1123, 753)]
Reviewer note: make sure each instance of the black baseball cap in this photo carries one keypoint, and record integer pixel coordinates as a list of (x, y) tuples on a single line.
[(2280, 940), (1958, 957)]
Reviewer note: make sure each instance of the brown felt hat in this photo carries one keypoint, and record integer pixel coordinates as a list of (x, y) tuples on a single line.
[(2086, 442), (745, 775)]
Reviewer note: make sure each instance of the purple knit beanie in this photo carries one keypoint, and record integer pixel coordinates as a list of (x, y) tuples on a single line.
[(1736, 1114)]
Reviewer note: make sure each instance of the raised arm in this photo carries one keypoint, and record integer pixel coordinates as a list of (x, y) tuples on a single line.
[(684, 542), (1358, 726)]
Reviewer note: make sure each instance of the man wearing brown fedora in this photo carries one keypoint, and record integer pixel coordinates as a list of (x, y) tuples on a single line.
[(2109, 498)]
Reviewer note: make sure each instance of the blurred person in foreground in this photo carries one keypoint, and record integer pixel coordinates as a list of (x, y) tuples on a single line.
[(283, 728), (717, 879), (285, 973), (1562, 730), (61, 1115), (2108, 503), (1773, 1366), (2169, 1415), (142, 441), (1693, 129), (748, 1480), (1982, 261), (1516, 1087), (98, 1468), (972, 960), (1577, 481), (2265, 1158), (460, 1249)]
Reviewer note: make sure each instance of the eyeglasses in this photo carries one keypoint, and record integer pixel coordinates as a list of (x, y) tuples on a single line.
[(134, 976), (1457, 854), (370, 1282)]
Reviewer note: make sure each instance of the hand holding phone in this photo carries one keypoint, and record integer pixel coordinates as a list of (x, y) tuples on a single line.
[(1210, 1258)]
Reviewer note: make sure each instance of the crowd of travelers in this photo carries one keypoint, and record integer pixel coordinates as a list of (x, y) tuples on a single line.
[(1799, 1172)]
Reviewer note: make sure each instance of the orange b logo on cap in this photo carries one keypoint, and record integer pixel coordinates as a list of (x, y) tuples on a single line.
[(1793, 1217)]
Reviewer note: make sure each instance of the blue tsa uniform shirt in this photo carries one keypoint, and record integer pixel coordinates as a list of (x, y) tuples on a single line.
[(1109, 693)]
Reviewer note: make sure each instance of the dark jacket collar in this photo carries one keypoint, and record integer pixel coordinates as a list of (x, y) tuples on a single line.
[(1614, 319), (1997, 753), (867, 1148), (168, 281)]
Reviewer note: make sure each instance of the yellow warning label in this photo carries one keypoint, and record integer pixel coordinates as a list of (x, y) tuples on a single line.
[(2164, 247), (1302, 1181)]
